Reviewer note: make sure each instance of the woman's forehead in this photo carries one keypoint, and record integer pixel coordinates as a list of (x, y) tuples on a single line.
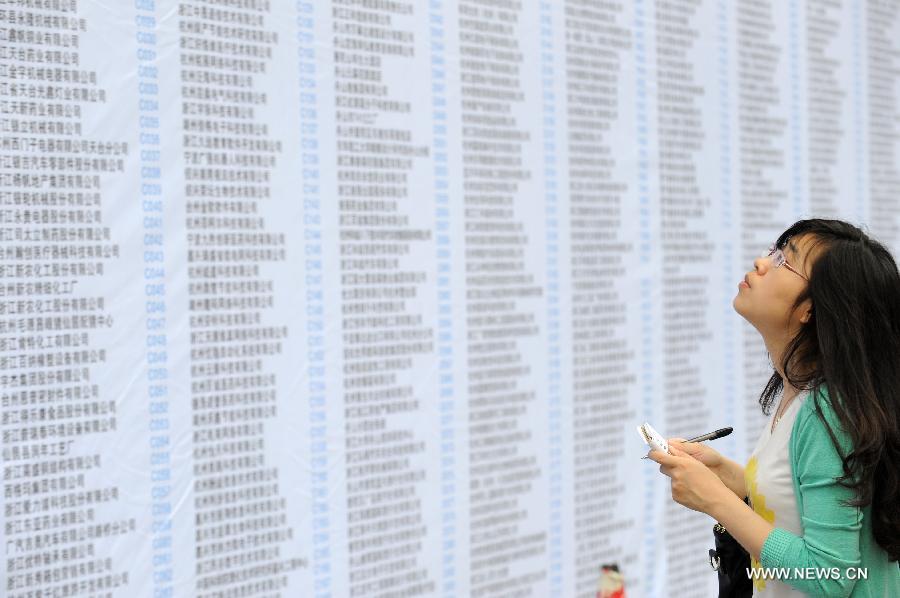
[(801, 248)]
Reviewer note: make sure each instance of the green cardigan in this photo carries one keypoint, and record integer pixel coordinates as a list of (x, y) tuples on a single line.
[(833, 535)]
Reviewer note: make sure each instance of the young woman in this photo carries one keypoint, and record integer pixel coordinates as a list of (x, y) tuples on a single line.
[(824, 479)]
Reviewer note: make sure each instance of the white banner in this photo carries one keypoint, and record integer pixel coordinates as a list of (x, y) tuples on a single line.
[(366, 297)]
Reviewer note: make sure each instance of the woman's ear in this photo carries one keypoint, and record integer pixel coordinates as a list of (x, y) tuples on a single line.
[(807, 314), (805, 310)]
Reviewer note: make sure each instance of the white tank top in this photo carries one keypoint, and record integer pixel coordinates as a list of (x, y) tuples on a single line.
[(771, 489)]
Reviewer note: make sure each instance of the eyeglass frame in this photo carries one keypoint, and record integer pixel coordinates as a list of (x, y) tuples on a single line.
[(776, 256)]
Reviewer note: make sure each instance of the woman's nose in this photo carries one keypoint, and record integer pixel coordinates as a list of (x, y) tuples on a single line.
[(762, 264)]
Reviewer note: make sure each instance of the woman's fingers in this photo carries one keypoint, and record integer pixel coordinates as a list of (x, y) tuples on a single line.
[(676, 450), (688, 448), (662, 458)]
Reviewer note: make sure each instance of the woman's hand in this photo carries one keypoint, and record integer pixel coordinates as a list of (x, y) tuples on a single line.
[(731, 473), (694, 484), (701, 452)]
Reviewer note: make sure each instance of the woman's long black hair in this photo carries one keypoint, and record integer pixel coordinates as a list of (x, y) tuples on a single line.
[(851, 346)]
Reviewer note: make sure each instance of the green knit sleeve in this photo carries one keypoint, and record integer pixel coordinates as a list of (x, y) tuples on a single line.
[(831, 531)]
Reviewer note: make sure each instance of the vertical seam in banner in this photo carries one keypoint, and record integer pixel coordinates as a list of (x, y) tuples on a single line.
[(731, 394), (857, 114), (154, 276), (798, 171), (646, 286), (313, 272), (444, 298), (554, 407)]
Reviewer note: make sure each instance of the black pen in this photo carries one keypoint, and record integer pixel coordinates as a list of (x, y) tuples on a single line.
[(711, 436)]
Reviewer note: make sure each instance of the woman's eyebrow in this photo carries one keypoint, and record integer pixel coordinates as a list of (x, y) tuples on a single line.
[(793, 248), (795, 258)]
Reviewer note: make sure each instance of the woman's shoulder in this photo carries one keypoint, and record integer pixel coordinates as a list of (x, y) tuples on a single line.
[(818, 402), (818, 427)]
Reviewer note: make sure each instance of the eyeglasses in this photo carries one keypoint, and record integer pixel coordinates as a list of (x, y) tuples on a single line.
[(778, 260)]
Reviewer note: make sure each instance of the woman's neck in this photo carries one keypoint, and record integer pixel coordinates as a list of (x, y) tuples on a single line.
[(789, 392), (776, 350)]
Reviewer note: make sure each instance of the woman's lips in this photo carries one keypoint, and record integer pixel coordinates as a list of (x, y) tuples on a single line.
[(744, 283)]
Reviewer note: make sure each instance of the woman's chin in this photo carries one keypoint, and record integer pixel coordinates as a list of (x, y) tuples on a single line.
[(740, 309), (738, 305)]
